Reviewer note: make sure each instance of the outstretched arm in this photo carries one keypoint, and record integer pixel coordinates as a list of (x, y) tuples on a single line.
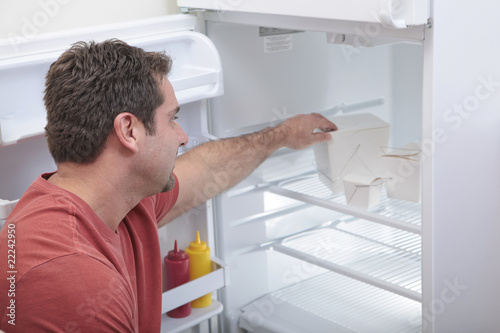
[(216, 166)]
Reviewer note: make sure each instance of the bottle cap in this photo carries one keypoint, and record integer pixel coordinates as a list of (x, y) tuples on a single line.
[(177, 254), (198, 245)]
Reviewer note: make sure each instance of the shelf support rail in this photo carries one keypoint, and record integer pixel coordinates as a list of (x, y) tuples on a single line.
[(349, 273), (347, 210)]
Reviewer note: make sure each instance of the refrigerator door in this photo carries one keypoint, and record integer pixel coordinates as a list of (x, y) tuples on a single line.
[(196, 73), (390, 13), (196, 76)]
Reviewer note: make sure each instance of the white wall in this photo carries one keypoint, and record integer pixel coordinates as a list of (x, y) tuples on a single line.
[(27, 18)]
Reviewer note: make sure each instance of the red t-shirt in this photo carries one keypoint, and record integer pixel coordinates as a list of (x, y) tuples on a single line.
[(72, 272)]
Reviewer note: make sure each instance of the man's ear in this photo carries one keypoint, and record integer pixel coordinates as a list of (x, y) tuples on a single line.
[(127, 130)]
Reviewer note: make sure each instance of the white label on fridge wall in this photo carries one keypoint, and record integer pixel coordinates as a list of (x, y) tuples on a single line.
[(278, 43)]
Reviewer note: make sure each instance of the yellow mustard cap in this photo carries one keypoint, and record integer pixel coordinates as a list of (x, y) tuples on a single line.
[(198, 245)]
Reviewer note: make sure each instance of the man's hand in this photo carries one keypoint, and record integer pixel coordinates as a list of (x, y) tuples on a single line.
[(301, 131)]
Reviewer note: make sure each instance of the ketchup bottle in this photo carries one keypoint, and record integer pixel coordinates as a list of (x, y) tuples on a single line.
[(199, 257), (177, 273)]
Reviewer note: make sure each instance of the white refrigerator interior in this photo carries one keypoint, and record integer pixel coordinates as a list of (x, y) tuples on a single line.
[(325, 266), (300, 259)]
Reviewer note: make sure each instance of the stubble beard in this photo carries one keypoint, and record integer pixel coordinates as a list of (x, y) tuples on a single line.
[(170, 183)]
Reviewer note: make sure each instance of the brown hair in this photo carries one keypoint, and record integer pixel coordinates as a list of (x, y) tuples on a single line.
[(89, 85)]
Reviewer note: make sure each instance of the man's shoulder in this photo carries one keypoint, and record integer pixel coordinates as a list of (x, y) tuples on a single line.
[(42, 199), (47, 226)]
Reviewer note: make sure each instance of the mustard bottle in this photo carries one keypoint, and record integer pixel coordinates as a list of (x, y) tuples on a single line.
[(200, 264)]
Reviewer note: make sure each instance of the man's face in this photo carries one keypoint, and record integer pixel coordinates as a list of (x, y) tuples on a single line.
[(161, 148)]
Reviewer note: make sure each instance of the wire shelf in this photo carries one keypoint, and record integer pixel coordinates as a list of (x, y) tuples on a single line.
[(379, 255), (399, 214), (363, 308)]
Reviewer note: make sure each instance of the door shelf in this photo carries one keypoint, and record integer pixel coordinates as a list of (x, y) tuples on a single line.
[(190, 84), (398, 214), (381, 256), (196, 70), (171, 299), (173, 325), (6, 206), (218, 278)]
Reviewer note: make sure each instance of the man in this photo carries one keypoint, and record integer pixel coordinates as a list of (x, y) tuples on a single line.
[(87, 257)]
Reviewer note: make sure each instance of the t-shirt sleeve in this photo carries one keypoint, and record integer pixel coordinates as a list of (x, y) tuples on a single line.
[(63, 297), (165, 201)]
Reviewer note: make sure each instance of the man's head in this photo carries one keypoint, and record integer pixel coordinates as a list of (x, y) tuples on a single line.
[(89, 85)]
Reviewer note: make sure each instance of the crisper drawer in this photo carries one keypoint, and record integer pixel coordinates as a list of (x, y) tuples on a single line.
[(390, 13)]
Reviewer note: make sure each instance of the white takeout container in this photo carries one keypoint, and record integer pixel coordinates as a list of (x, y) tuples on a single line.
[(402, 172), (362, 191), (356, 147)]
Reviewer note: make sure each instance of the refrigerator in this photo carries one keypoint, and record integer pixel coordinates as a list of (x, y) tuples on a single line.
[(289, 254)]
